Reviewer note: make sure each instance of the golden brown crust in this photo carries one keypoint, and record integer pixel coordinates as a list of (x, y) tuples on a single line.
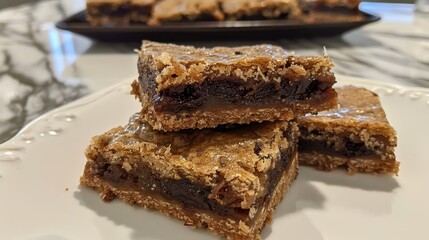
[(176, 10), (329, 162), (183, 65), (223, 226), (225, 160), (209, 119)]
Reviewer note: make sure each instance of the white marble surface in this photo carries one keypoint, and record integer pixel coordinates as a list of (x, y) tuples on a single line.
[(42, 67)]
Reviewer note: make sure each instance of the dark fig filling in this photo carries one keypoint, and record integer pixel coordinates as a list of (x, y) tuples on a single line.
[(233, 93), (337, 144), (351, 149), (189, 194)]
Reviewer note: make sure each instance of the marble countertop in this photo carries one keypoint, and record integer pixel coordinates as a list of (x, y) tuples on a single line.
[(42, 67)]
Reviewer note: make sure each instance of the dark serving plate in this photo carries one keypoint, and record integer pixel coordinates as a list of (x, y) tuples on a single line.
[(320, 25)]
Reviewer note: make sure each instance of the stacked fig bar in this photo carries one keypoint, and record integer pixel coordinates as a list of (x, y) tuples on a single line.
[(186, 88), (215, 143)]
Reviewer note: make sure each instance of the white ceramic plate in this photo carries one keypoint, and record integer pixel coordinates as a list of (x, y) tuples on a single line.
[(40, 168)]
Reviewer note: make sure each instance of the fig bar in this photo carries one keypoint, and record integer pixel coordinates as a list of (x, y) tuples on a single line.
[(178, 10), (227, 179), (183, 87), (118, 12), (356, 136), (260, 9)]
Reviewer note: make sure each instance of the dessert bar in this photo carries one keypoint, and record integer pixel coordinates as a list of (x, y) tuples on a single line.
[(177, 10), (118, 12), (228, 179), (182, 87), (357, 136), (260, 9)]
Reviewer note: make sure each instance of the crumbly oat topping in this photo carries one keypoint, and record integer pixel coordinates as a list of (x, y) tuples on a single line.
[(267, 8), (175, 65), (234, 160), (175, 10)]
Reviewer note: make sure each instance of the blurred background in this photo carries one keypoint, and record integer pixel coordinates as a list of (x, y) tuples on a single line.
[(8, 3)]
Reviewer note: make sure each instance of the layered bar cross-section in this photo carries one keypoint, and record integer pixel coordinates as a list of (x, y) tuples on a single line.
[(228, 179), (183, 87), (356, 136)]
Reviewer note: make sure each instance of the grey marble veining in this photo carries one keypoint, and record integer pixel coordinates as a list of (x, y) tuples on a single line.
[(29, 85), (42, 67)]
